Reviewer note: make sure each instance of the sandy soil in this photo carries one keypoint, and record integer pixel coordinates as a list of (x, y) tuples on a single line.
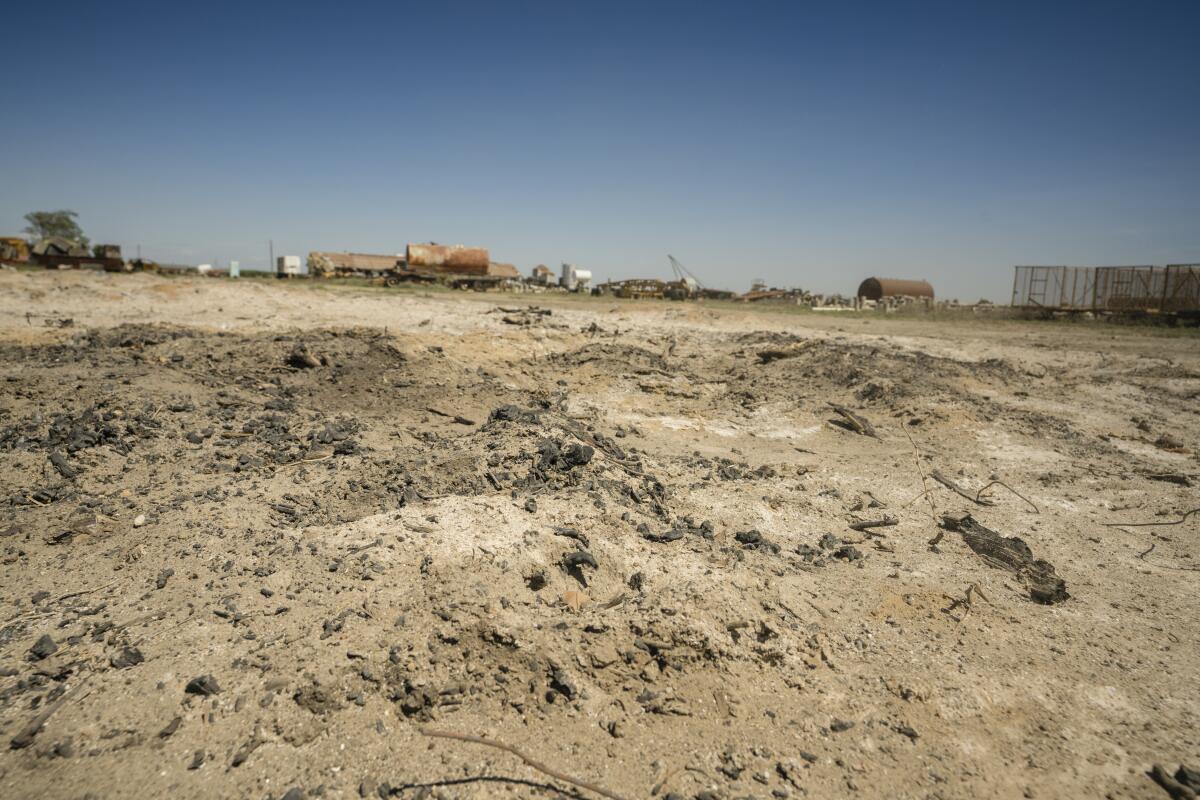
[(258, 539)]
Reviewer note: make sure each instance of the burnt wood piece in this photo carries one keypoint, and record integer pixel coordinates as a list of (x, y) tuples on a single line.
[(874, 523), (1010, 553)]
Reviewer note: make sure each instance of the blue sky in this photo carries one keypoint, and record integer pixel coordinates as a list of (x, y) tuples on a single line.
[(805, 144)]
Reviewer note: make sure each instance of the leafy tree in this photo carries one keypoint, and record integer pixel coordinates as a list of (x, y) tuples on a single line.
[(44, 224)]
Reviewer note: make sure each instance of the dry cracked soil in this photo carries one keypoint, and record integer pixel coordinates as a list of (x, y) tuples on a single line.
[(264, 539)]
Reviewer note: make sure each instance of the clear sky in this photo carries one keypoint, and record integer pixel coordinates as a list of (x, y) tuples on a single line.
[(809, 144)]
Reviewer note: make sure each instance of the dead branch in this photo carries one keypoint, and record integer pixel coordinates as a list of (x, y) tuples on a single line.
[(306, 461), (69, 595), (1014, 491), (918, 497), (938, 476), (1179, 521), (461, 420), (874, 523), (855, 422), (542, 768)]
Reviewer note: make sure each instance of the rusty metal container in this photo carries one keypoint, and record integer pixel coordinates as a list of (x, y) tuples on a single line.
[(879, 288), (452, 258)]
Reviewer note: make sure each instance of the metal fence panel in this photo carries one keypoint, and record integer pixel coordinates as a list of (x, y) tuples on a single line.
[(1128, 288), (1174, 288), (1181, 288), (1054, 287)]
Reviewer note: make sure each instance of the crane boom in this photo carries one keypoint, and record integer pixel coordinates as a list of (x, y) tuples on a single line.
[(682, 272)]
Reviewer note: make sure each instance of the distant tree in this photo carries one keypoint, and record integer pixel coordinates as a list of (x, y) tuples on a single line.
[(44, 224)]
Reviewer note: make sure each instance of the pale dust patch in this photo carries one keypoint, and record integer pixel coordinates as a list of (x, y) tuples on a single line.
[(1001, 446)]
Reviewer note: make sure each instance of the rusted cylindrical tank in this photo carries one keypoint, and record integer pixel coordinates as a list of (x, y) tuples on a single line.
[(879, 288), (448, 258)]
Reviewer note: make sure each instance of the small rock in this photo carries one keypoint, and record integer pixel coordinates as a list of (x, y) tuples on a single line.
[(577, 454), (839, 725), (60, 463), (128, 657), (43, 647), (244, 752), (204, 685), (848, 552), (563, 683), (1168, 442), (139, 520), (748, 537), (301, 358), (579, 558)]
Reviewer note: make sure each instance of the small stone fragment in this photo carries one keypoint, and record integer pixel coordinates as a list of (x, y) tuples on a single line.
[(204, 685), (43, 647), (128, 657)]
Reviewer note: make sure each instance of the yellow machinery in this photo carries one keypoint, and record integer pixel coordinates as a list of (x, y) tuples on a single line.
[(14, 249)]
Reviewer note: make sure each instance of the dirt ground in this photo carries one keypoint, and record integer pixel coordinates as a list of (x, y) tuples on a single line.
[(259, 538)]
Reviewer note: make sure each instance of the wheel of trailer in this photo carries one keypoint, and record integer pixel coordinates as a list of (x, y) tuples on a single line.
[(391, 280)]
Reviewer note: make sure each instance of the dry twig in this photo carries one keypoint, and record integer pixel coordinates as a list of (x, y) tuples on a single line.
[(1014, 491), (306, 461), (1179, 521), (921, 471), (964, 602), (69, 595), (937, 475), (874, 523), (855, 422), (26, 735), (542, 768)]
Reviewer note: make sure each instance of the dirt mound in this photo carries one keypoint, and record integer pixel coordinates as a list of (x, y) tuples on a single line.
[(270, 563)]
